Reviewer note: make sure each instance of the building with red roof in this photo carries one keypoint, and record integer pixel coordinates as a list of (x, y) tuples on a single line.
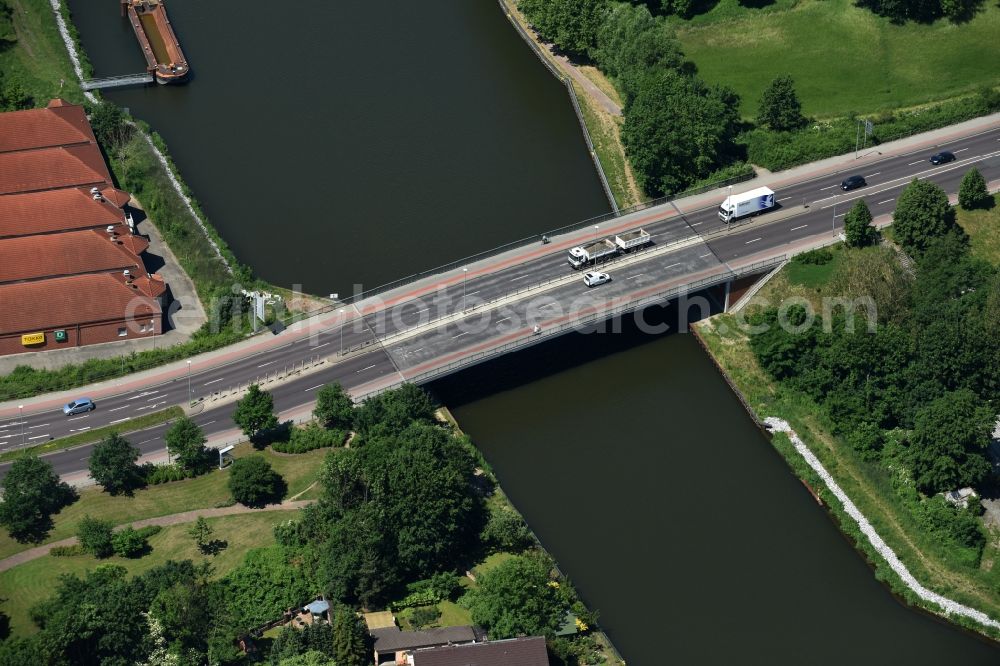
[(71, 266)]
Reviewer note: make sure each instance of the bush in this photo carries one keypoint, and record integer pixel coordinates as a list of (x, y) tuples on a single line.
[(95, 536), (819, 257), (506, 530), (128, 542), (972, 193), (312, 437), (157, 474), (253, 483), (422, 617), (68, 551), (148, 531), (425, 597)]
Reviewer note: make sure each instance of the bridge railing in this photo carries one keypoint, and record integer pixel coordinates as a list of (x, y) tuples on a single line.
[(581, 322)]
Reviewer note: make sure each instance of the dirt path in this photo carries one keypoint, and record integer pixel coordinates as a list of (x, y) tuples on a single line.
[(162, 521)]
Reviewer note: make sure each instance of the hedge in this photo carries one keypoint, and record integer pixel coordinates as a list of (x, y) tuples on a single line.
[(313, 436)]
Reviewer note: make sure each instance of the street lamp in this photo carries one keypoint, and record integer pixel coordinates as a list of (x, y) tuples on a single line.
[(465, 277), (833, 222), (341, 331), (189, 382), (20, 417)]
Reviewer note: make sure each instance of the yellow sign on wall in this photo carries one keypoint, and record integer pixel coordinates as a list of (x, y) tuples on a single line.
[(32, 339)]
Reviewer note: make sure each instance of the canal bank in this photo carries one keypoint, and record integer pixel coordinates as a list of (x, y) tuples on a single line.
[(642, 474)]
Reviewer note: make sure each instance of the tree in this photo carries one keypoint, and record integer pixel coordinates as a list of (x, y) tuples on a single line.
[(112, 465), (350, 643), (266, 584), (32, 492), (110, 125), (255, 412), (95, 536), (858, 227), (505, 530), (922, 214), (253, 483), (780, 109), (183, 610), (128, 542), (571, 25), (517, 598), (202, 532), (392, 412), (334, 407), (948, 445), (972, 193), (310, 658), (186, 444), (678, 130)]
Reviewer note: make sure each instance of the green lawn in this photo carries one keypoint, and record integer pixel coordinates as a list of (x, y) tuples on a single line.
[(29, 583), (39, 60), (203, 492), (842, 58), (983, 227), (813, 276)]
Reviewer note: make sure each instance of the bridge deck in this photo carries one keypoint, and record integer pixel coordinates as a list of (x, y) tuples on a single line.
[(118, 81)]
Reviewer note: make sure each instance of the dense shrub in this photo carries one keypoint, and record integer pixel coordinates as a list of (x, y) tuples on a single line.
[(68, 551), (157, 474), (253, 483), (128, 542), (95, 536), (818, 257), (311, 437)]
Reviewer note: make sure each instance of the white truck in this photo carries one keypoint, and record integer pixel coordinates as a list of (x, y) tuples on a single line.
[(749, 203), (606, 248)]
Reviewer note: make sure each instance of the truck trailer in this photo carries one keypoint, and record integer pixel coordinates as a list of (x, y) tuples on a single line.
[(749, 203), (632, 239), (606, 248)]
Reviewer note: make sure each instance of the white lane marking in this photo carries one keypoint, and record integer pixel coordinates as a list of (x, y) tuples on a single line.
[(41, 426), (79, 429), (363, 369), (473, 292), (839, 215), (696, 224), (39, 436), (416, 350), (873, 175), (119, 421), (960, 150), (884, 202), (144, 394), (917, 162), (263, 364), (459, 335), (419, 311), (312, 388), (214, 380), (632, 277), (207, 423), (322, 345), (784, 199), (705, 255), (155, 397), (117, 408), (827, 188), (498, 321), (801, 226), (519, 277), (547, 305), (144, 441), (752, 241), (672, 265), (826, 198)]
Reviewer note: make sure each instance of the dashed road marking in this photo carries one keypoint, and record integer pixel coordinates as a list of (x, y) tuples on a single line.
[(519, 277), (263, 364), (214, 380), (313, 388), (884, 202), (917, 162), (39, 436), (118, 421), (459, 335), (874, 174), (632, 277), (117, 408), (752, 241), (672, 265), (801, 226), (827, 188), (368, 368), (41, 426), (960, 150)]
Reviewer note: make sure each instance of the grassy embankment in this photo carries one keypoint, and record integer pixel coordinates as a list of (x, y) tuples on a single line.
[(847, 59), (865, 483), (206, 491), (38, 61), (32, 582)]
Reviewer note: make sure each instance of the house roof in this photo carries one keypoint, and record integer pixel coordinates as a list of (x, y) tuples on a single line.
[(52, 168), (392, 639), (64, 302), (56, 210), (58, 124), (71, 253), (514, 652)]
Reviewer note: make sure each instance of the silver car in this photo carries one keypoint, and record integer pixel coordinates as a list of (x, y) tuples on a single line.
[(593, 279), (79, 406)]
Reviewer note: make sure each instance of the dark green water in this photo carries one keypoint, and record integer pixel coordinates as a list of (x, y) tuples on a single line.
[(649, 484), (336, 143)]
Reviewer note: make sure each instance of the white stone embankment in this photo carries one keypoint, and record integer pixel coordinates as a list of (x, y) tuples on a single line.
[(70, 47), (949, 606)]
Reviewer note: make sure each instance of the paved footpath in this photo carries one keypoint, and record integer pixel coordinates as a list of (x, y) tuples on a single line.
[(162, 521)]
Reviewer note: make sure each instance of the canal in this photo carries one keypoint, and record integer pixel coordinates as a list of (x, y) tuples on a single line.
[(650, 485), (343, 143), (335, 144)]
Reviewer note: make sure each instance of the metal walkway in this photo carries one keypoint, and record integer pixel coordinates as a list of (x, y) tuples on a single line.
[(118, 81)]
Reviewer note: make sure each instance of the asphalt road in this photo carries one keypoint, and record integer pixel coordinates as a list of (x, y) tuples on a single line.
[(806, 209)]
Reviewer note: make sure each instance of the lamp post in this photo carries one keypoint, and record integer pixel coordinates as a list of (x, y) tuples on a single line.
[(20, 417), (465, 277), (189, 382), (833, 222), (341, 331)]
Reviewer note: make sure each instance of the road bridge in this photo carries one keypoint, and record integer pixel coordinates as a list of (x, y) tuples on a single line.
[(443, 322)]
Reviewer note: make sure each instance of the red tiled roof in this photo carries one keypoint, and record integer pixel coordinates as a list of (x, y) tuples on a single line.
[(59, 124), (151, 285), (52, 168), (70, 253), (64, 302), (55, 210), (116, 196), (512, 652)]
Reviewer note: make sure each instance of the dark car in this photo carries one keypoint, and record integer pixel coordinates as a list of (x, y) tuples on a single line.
[(942, 158), (853, 183)]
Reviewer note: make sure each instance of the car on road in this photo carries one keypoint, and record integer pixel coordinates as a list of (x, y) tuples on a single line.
[(942, 158), (593, 279), (853, 183), (79, 406)]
